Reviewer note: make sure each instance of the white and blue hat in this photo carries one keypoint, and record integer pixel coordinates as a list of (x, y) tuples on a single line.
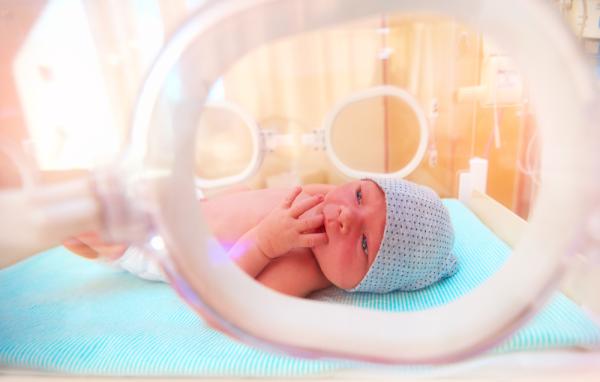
[(416, 248)]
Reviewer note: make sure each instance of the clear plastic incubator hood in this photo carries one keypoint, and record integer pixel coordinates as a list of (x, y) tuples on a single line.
[(488, 103)]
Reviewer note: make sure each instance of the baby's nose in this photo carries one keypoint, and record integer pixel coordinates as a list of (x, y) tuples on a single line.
[(331, 212), (347, 218)]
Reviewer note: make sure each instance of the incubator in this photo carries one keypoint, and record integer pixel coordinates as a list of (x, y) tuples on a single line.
[(490, 104)]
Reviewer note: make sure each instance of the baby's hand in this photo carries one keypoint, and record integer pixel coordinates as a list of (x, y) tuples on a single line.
[(283, 229)]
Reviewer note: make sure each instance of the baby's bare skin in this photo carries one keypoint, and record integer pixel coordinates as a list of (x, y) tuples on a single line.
[(229, 217), (297, 273), (293, 242)]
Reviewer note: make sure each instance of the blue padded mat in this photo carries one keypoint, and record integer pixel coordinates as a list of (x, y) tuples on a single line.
[(63, 313)]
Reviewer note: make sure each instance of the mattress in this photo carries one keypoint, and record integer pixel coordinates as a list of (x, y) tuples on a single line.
[(63, 314)]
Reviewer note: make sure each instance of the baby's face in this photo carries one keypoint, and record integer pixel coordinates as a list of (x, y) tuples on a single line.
[(354, 222)]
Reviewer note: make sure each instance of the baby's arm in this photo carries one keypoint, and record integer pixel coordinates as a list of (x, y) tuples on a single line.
[(296, 274), (247, 254), (278, 233)]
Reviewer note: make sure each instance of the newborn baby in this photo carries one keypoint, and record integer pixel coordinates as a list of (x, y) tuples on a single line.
[(414, 249), (371, 235)]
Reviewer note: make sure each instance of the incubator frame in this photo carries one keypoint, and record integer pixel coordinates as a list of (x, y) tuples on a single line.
[(158, 186), (536, 38)]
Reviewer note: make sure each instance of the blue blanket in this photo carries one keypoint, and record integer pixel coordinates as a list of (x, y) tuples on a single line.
[(62, 313)]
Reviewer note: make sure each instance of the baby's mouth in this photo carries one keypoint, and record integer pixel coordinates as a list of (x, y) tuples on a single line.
[(321, 229)]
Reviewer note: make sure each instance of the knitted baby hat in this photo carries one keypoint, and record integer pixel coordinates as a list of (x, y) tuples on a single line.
[(417, 241)]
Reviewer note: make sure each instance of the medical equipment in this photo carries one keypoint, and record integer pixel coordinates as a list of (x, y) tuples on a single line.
[(149, 194)]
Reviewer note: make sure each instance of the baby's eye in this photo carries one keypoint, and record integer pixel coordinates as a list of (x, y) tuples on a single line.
[(364, 245), (359, 196)]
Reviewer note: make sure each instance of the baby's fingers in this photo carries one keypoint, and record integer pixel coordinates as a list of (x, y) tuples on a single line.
[(287, 203), (310, 240), (305, 205), (312, 222)]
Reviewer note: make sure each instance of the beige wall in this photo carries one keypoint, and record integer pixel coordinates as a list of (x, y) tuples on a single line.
[(292, 84)]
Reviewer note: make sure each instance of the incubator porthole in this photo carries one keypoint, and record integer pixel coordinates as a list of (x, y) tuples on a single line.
[(228, 147), (383, 181), (478, 148), (387, 115), (223, 146)]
